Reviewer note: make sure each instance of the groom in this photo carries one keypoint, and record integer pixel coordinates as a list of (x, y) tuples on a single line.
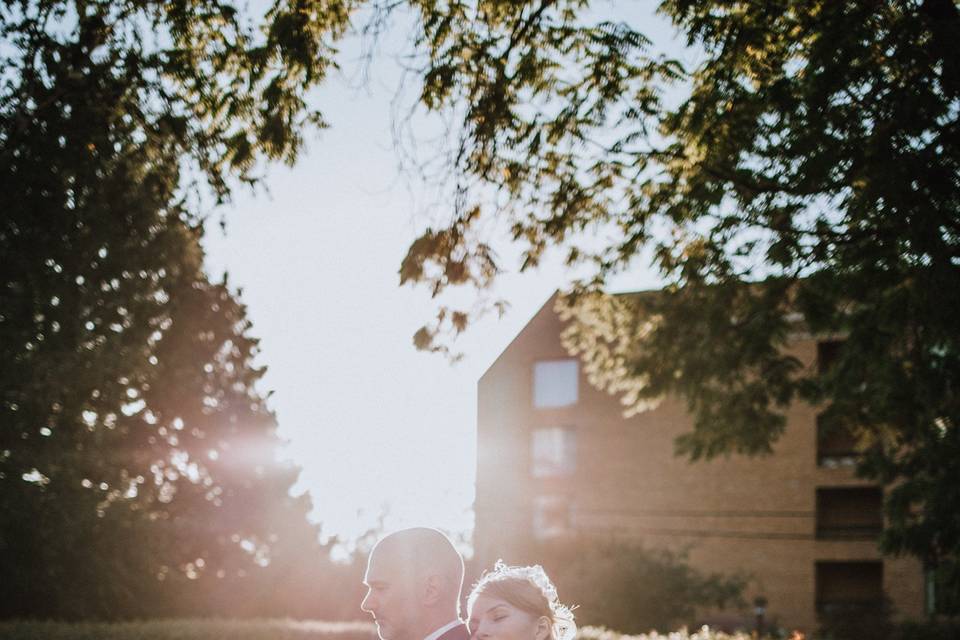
[(413, 584)]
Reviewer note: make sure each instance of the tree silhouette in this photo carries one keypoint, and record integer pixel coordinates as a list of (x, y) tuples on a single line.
[(138, 461)]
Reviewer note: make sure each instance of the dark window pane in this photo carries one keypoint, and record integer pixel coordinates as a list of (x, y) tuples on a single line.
[(849, 512), (827, 353), (849, 587)]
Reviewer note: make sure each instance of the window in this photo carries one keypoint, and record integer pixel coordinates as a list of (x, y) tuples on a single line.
[(828, 352), (551, 516), (849, 512), (836, 444), (553, 452), (849, 588), (555, 383)]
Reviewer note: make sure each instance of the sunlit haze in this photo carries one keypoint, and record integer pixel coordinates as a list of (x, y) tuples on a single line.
[(379, 429)]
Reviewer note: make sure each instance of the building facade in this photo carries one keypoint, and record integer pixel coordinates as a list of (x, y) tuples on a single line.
[(557, 457)]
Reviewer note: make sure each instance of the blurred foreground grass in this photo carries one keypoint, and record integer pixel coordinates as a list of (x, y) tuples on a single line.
[(265, 630), (187, 629), (599, 633)]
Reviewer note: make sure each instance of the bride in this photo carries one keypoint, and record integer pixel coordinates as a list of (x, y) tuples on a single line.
[(517, 603)]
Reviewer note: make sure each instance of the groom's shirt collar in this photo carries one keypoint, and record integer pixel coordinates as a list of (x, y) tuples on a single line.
[(442, 630)]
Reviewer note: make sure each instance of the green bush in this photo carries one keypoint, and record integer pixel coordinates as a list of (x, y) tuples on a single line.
[(600, 633), (629, 587), (853, 621), (928, 630)]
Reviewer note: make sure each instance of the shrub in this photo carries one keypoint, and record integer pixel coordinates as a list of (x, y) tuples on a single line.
[(857, 620), (628, 586), (704, 633), (928, 630)]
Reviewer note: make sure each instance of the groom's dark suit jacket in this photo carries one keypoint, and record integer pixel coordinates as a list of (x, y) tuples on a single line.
[(459, 632)]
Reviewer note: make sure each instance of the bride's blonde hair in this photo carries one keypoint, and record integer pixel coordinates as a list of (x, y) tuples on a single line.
[(530, 590)]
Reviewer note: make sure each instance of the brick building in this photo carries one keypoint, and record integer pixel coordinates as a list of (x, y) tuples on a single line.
[(556, 458)]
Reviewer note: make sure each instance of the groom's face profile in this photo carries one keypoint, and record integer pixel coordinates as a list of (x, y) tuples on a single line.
[(391, 594), (413, 583)]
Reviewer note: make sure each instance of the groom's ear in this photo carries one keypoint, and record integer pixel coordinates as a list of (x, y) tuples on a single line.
[(433, 589)]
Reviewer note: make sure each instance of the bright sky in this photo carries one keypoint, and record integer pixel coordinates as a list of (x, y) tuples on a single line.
[(379, 429)]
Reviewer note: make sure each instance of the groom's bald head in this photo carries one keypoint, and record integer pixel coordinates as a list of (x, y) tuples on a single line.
[(414, 577), (424, 552)]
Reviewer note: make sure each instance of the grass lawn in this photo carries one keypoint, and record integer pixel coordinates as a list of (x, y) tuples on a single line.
[(189, 630), (211, 629)]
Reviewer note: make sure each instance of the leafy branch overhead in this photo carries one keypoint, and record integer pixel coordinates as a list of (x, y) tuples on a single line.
[(226, 93), (449, 257), (801, 175)]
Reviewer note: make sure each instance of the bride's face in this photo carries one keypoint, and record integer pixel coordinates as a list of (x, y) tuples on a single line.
[(494, 619)]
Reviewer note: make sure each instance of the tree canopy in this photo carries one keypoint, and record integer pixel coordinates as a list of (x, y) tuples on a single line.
[(803, 175), (138, 459)]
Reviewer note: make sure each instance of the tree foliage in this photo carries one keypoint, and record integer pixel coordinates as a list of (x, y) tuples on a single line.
[(138, 468), (224, 88), (803, 175)]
